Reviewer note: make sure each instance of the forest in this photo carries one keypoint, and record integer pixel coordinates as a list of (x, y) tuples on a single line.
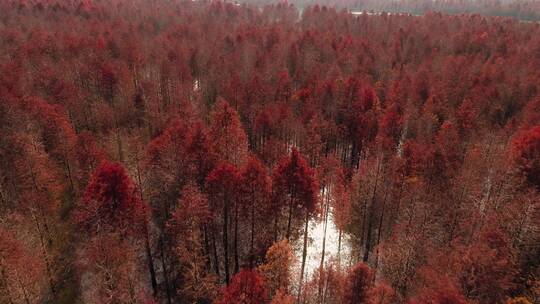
[(182, 151)]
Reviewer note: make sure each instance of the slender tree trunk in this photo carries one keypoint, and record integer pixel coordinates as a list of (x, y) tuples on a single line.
[(379, 230), (304, 255), (70, 178), (42, 236), (251, 253), (226, 238), (290, 217), (325, 291), (276, 219), (325, 216), (398, 203), (343, 151), (46, 229), (119, 142), (207, 247), (165, 273), (367, 247), (151, 267), (214, 249), (339, 249), (455, 215), (236, 257), (364, 221), (45, 255)]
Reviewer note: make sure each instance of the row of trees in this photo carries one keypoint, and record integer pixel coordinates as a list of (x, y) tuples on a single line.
[(528, 10), (177, 151)]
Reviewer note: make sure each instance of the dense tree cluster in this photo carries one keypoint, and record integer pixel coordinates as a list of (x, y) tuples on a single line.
[(177, 151)]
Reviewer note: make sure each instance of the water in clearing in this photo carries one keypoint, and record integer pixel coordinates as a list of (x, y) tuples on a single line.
[(315, 247)]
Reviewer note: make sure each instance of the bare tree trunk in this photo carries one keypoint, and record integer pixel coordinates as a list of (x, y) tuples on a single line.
[(339, 249), (304, 255), (251, 253), (119, 142), (290, 216), (214, 248), (325, 291), (398, 203), (45, 255), (151, 267), (70, 178), (165, 274), (367, 247), (276, 227), (455, 215), (206, 247), (379, 230), (226, 238), (364, 221), (42, 236), (236, 257), (325, 215)]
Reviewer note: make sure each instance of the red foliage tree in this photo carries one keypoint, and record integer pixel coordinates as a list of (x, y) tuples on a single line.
[(192, 210), (359, 117), (390, 126), (449, 147), (526, 154), (23, 273), (110, 202), (295, 186), (110, 263), (88, 155), (341, 205), (201, 154), (247, 287), (487, 268), (108, 80), (185, 230), (228, 137), (382, 293), (442, 295), (255, 189), (358, 285), (169, 152), (169, 165), (222, 184)]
